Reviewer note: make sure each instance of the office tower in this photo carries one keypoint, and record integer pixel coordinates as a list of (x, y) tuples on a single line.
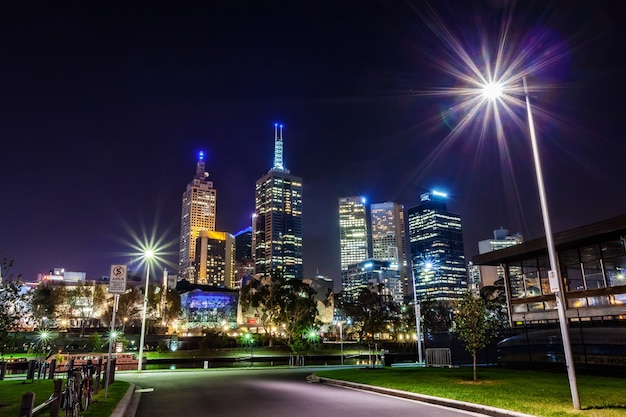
[(436, 244), (243, 244), (215, 259), (353, 235), (368, 274), (388, 236), (487, 275), (244, 261), (277, 221), (198, 213)]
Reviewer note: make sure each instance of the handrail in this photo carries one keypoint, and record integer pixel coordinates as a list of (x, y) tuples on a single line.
[(45, 404)]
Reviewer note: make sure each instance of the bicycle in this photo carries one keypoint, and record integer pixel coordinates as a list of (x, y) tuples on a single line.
[(70, 396), (86, 388)]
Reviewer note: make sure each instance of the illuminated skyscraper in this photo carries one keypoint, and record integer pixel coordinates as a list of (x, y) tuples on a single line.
[(215, 259), (436, 242), (388, 236), (353, 237), (198, 213), (277, 221)]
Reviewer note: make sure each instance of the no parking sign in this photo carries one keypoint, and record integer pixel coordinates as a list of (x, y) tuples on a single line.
[(117, 280)]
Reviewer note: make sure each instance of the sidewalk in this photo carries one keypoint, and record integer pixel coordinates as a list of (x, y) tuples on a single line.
[(461, 405)]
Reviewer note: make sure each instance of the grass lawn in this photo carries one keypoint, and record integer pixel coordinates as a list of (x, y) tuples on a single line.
[(11, 392), (538, 393)]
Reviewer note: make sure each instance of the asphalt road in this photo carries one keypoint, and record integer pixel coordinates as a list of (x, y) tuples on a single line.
[(265, 393)]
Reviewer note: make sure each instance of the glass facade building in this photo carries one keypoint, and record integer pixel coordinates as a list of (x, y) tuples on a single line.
[(389, 236), (592, 263), (277, 221), (436, 245), (353, 231)]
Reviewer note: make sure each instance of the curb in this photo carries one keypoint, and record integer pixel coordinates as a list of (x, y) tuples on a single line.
[(461, 405), (122, 406)]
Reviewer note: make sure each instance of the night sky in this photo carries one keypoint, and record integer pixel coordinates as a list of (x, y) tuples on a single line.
[(104, 106)]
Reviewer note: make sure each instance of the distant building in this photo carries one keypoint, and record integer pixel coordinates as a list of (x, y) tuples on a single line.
[(62, 276), (215, 259), (324, 297), (486, 275), (243, 244), (368, 274), (436, 244), (353, 231), (214, 309), (198, 213), (277, 222), (389, 236)]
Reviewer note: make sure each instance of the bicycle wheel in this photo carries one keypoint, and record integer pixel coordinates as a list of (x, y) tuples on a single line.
[(85, 396)]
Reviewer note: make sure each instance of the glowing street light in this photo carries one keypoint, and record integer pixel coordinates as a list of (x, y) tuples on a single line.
[(148, 254), (494, 92)]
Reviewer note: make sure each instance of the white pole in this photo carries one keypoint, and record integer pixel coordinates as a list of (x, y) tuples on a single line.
[(143, 319), (559, 295), (116, 300), (417, 319), (341, 338)]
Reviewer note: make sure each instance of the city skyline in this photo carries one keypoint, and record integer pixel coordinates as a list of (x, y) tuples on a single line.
[(106, 108)]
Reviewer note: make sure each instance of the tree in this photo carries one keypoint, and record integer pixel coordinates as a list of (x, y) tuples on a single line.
[(264, 296), (172, 307), (437, 316), (85, 299), (14, 310), (474, 324), (495, 300), (371, 311), (129, 306), (298, 309), (47, 301)]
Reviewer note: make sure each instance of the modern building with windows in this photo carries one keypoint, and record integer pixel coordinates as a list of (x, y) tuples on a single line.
[(214, 309), (485, 275), (353, 231), (368, 274), (592, 267), (198, 213), (277, 221), (215, 259), (436, 245), (389, 236)]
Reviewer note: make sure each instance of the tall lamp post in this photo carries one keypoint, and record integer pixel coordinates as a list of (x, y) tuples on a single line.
[(148, 255), (418, 329), (493, 91)]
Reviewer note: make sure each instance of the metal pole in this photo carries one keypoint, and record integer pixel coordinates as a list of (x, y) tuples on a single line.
[(559, 295), (417, 319), (143, 319), (341, 338), (116, 299)]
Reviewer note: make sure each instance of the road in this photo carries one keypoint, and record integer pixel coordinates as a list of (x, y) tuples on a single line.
[(264, 393)]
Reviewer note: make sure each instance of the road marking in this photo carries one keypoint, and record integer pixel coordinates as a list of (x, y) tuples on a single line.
[(144, 390)]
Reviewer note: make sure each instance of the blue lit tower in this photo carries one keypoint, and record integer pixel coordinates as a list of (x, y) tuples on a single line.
[(277, 221), (197, 214), (436, 244)]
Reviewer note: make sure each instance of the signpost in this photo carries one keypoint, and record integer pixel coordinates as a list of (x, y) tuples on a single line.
[(117, 286)]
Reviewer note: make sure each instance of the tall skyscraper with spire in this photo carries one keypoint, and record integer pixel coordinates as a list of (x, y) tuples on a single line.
[(197, 214), (277, 221)]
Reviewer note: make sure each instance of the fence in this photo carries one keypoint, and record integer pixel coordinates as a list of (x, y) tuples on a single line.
[(439, 357), (28, 408)]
